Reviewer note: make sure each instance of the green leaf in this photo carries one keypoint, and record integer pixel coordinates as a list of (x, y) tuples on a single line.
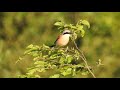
[(82, 33), (66, 26), (59, 23), (67, 71), (27, 52), (36, 58), (74, 36), (35, 54), (30, 46), (53, 67), (62, 60), (53, 56), (84, 73), (40, 62), (20, 58), (41, 70), (79, 27), (69, 59), (37, 76), (55, 76), (85, 22), (45, 46), (31, 71), (74, 72)]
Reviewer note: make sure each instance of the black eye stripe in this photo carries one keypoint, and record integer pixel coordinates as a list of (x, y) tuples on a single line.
[(66, 33)]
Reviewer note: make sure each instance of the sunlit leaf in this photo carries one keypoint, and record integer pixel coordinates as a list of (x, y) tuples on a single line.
[(82, 33), (79, 27), (84, 73), (37, 76), (66, 72), (59, 23), (55, 76), (62, 60), (69, 59), (45, 46), (30, 46), (85, 22)]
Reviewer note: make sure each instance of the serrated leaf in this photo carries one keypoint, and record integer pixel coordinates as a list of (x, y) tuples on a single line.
[(85, 22)]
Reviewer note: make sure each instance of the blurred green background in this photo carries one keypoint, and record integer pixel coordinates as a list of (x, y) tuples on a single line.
[(19, 29)]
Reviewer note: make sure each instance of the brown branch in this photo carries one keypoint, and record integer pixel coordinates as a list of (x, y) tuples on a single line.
[(84, 59)]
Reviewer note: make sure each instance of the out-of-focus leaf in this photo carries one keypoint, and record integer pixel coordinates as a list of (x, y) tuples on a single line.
[(30, 46), (55, 76), (41, 70), (82, 33), (74, 36), (69, 59), (42, 63), (37, 76), (66, 72), (80, 27), (84, 73), (62, 60), (85, 22), (59, 23)]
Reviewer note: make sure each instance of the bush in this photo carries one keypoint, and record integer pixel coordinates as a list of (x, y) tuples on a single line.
[(63, 62)]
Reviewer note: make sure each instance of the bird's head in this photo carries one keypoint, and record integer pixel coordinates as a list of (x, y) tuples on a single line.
[(66, 32)]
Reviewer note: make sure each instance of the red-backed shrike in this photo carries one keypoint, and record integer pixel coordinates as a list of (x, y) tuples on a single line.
[(62, 39)]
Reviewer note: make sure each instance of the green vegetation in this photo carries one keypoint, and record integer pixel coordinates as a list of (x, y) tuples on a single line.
[(65, 62), (20, 29)]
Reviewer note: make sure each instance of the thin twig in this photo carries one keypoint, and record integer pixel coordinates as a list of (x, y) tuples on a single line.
[(84, 59)]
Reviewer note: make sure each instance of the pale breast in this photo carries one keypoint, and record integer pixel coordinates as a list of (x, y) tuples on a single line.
[(63, 40)]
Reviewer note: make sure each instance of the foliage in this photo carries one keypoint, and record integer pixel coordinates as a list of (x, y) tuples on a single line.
[(66, 62), (19, 29)]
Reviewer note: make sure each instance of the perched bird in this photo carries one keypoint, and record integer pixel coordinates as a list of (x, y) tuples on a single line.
[(62, 39)]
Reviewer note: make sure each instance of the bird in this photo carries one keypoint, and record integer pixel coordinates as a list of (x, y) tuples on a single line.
[(62, 39)]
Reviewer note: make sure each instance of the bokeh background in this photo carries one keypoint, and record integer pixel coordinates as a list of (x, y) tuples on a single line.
[(19, 29)]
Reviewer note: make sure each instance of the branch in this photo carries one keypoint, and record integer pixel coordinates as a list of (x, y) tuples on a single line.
[(84, 59)]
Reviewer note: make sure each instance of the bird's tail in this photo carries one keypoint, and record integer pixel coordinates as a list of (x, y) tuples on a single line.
[(52, 45)]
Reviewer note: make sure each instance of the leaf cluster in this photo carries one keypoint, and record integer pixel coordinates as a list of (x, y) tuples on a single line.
[(66, 62)]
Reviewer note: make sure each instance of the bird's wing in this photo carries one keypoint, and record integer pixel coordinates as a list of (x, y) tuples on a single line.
[(57, 39)]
